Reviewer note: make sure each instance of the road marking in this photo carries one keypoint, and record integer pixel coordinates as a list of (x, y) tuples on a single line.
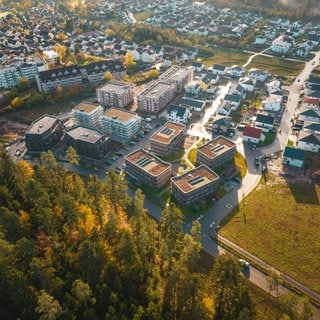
[(228, 205)]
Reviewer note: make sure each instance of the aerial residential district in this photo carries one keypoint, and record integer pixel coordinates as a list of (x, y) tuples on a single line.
[(204, 129)]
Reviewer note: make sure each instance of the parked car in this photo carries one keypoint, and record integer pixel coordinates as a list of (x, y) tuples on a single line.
[(257, 161), (236, 180), (244, 263)]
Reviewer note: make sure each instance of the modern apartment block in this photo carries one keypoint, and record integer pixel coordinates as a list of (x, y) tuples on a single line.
[(87, 114), (44, 134), (167, 138), (116, 94), (194, 186), (120, 123), (148, 169), (177, 76), (155, 97), (88, 142), (216, 152)]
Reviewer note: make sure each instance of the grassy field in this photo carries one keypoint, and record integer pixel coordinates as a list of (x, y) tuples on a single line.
[(142, 16), (224, 56), (280, 222), (277, 65)]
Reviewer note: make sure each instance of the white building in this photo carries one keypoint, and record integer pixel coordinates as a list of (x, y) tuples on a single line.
[(119, 123), (87, 114), (178, 114)]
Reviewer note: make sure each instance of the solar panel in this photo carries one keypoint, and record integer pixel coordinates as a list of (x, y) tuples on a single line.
[(216, 149), (167, 131), (140, 160), (144, 163), (196, 180)]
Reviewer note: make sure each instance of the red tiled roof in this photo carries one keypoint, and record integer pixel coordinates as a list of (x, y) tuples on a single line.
[(252, 132), (309, 100)]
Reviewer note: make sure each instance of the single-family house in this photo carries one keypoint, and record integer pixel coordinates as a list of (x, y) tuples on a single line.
[(239, 90), (261, 39), (197, 66), (236, 71), (247, 83), (221, 125), (309, 141), (225, 108), (178, 114), (265, 122), (195, 106), (252, 135), (273, 86), (313, 83), (218, 69), (258, 74), (272, 103), (281, 45), (313, 127), (310, 103), (233, 99), (314, 37), (293, 157), (310, 115), (193, 87), (301, 51)]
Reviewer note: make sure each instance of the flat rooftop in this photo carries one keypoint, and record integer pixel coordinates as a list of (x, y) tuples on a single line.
[(156, 90), (117, 87), (85, 134), (119, 114), (42, 124), (148, 162), (86, 107), (195, 179), (217, 146), (175, 73), (167, 132)]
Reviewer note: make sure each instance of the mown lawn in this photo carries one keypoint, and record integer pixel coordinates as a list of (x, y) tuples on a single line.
[(280, 222), (277, 65), (226, 56)]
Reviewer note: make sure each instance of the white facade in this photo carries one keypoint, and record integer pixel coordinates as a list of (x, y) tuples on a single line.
[(272, 103), (280, 46)]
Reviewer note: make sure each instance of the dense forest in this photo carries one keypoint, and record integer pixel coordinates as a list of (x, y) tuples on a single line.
[(80, 248)]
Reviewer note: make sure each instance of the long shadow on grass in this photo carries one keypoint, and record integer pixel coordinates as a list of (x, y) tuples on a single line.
[(304, 193)]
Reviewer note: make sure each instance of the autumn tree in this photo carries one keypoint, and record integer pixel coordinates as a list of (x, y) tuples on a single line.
[(130, 63), (107, 76), (72, 156), (48, 307)]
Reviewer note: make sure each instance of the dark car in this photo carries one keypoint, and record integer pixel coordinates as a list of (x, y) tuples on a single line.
[(236, 180)]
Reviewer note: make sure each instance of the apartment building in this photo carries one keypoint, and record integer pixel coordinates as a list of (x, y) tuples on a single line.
[(177, 76), (44, 134), (155, 97), (87, 114), (148, 169), (116, 94), (167, 138), (119, 123), (65, 77), (194, 186), (88, 143), (94, 72), (216, 152), (11, 75)]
